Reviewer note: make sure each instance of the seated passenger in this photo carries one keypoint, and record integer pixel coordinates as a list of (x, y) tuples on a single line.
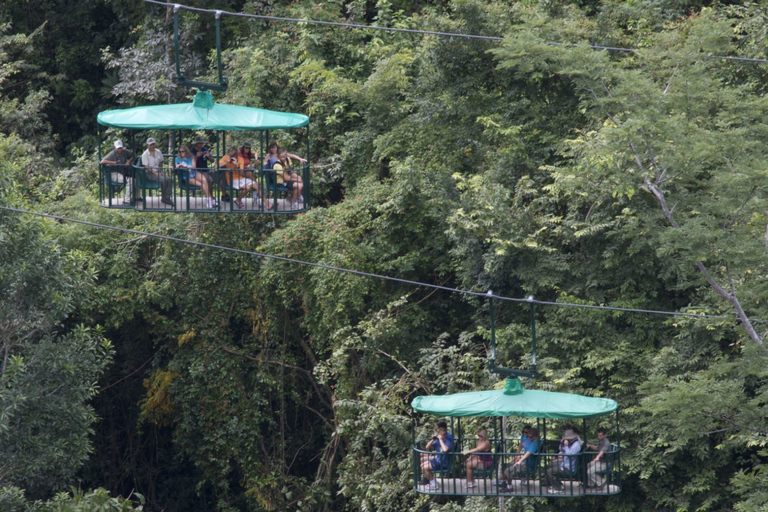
[(290, 180), (242, 179), (245, 157), (273, 155), (570, 446), (119, 160), (201, 154), (525, 464), (483, 459), (440, 444), (190, 174), (524, 439), (152, 160), (600, 463)]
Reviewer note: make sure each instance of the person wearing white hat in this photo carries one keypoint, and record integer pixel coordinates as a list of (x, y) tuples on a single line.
[(120, 160), (152, 160), (566, 464)]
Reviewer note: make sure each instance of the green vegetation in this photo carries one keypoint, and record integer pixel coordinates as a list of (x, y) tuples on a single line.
[(183, 378)]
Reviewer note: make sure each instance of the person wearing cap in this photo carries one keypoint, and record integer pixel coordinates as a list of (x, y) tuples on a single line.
[(567, 463), (201, 154), (152, 160), (120, 160)]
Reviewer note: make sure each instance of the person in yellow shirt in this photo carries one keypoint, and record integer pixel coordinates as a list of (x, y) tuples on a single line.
[(289, 179)]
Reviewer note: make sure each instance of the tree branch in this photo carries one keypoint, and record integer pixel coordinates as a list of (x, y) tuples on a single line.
[(657, 191)]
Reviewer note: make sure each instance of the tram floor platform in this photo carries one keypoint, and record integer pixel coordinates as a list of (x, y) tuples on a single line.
[(487, 487), (197, 204)]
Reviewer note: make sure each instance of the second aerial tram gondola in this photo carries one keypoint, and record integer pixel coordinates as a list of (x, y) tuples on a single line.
[(503, 413)]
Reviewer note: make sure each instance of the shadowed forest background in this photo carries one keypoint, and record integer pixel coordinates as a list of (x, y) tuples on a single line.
[(212, 381)]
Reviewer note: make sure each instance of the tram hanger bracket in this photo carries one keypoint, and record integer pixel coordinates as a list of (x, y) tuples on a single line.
[(511, 372), (203, 86)]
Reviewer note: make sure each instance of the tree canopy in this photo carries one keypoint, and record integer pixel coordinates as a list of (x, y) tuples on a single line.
[(543, 164)]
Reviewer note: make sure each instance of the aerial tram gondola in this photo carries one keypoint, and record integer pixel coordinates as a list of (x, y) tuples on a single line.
[(513, 406), (270, 191)]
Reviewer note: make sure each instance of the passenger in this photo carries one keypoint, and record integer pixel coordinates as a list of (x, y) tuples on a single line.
[(484, 459), (291, 181), (246, 157), (518, 468), (193, 177), (600, 463), (202, 156), (570, 446), (242, 180), (440, 443), (443, 424), (524, 438), (524, 441), (152, 160), (273, 155), (120, 172)]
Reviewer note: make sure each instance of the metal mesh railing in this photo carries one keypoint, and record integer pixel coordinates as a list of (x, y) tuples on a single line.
[(546, 474)]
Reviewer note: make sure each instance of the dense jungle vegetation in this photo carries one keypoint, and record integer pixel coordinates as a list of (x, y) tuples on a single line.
[(210, 381)]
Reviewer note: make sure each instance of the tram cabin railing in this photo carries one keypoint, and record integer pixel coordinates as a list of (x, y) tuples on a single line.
[(230, 190), (550, 474)]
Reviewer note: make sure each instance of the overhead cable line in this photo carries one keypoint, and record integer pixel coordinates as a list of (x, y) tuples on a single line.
[(487, 295), (217, 12)]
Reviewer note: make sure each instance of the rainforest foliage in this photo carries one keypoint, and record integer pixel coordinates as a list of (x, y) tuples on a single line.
[(174, 377)]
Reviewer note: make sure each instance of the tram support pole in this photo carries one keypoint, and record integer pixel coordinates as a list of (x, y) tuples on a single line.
[(533, 333), (499, 469)]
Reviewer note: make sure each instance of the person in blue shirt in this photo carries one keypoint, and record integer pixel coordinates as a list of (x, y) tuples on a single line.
[(524, 441), (525, 464), (201, 153), (192, 176), (443, 424), (442, 445)]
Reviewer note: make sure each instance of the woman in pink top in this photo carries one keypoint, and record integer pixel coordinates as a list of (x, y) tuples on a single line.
[(480, 456)]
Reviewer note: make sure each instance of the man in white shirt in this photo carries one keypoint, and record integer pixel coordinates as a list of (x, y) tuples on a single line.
[(152, 160)]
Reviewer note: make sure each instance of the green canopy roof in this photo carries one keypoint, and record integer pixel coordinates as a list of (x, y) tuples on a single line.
[(202, 114), (513, 400)]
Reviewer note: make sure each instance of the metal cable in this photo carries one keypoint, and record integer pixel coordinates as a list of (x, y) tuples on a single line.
[(218, 12), (487, 295)]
